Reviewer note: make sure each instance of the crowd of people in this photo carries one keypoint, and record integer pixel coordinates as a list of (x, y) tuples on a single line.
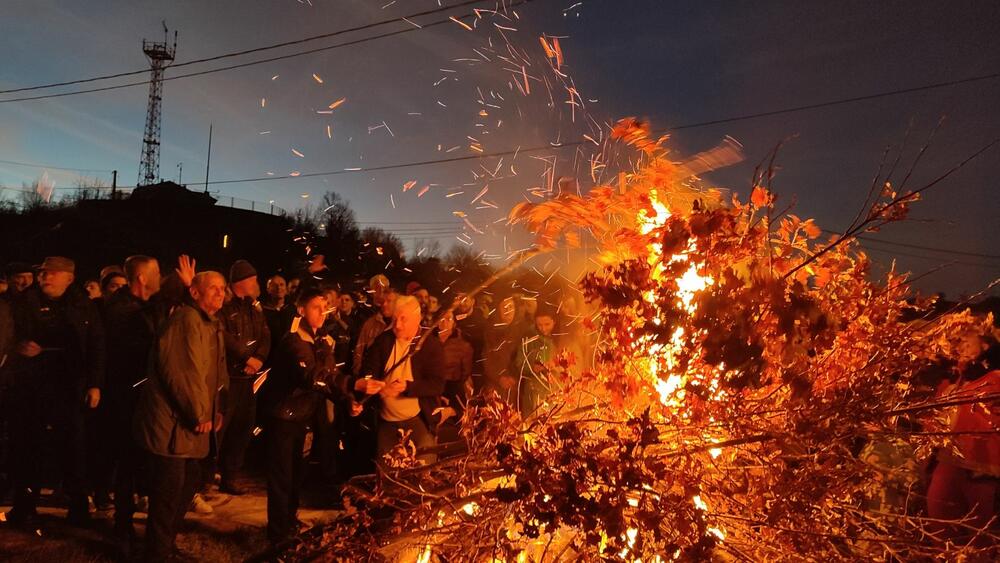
[(140, 388)]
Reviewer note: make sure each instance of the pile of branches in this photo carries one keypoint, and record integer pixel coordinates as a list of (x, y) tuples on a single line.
[(755, 395)]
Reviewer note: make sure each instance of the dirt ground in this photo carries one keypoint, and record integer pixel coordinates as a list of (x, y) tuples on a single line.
[(233, 532)]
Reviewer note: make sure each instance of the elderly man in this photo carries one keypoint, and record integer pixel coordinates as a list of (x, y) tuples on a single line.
[(178, 408), (58, 372), (408, 380), (248, 344)]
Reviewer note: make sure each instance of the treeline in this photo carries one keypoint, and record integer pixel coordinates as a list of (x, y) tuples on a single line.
[(98, 231)]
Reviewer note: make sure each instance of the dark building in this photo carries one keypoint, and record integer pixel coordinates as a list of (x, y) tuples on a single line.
[(162, 220)]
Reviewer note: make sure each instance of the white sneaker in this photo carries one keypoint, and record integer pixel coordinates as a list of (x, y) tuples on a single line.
[(200, 506)]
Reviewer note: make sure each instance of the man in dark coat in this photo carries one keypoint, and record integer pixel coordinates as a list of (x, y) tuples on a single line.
[(471, 321), (6, 336), (302, 377), (409, 382), (178, 408), (278, 310), (457, 374), (58, 373), (248, 343), (20, 277), (133, 316)]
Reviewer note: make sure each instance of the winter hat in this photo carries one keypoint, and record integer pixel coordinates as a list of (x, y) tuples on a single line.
[(58, 264), (240, 271), (19, 268)]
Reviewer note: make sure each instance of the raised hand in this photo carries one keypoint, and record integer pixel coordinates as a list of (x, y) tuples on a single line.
[(185, 269)]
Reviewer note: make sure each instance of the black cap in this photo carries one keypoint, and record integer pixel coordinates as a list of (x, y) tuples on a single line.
[(241, 270)]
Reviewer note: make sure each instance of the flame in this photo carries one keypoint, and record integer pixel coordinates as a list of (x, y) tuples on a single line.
[(669, 385), (661, 360), (425, 555)]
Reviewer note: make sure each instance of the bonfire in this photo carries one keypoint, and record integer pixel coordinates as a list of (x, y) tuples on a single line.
[(754, 395)]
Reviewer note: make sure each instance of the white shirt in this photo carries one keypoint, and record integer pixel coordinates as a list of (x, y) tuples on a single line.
[(400, 408)]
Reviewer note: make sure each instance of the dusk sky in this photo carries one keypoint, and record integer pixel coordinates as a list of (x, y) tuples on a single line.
[(416, 96)]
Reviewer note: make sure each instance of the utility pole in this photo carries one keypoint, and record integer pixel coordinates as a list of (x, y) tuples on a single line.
[(208, 161), (114, 184), (180, 173), (160, 56)]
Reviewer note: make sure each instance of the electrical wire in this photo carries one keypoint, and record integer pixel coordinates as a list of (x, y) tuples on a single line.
[(692, 125), (34, 165), (270, 59), (245, 51)]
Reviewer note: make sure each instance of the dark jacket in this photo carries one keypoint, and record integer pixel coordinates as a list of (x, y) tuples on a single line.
[(6, 337), (428, 371), (188, 373), (340, 331), (6, 332), (84, 351), (131, 325), (499, 348), (457, 357), (457, 369), (279, 321), (370, 330), (473, 326), (301, 363), (246, 333)]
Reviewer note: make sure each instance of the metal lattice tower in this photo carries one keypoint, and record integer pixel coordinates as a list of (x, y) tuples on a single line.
[(160, 56)]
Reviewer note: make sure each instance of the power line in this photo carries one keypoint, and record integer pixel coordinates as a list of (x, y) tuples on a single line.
[(841, 101), (934, 258), (931, 248), (693, 125), (920, 247), (243, 52), (443, 226), (35, 165), (273, 59), (455, 223)]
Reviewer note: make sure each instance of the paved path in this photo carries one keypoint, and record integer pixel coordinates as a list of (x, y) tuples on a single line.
[(234, 531)]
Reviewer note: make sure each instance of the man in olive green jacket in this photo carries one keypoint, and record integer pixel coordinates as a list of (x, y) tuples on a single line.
[(178, 409)]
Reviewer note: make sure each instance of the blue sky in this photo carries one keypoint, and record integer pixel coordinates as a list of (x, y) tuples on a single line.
[(675, 63)]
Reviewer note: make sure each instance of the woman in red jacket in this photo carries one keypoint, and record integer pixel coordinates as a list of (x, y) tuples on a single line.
[(966, 478)]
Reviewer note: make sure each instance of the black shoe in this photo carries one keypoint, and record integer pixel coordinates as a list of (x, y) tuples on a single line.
[(231, 488)]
